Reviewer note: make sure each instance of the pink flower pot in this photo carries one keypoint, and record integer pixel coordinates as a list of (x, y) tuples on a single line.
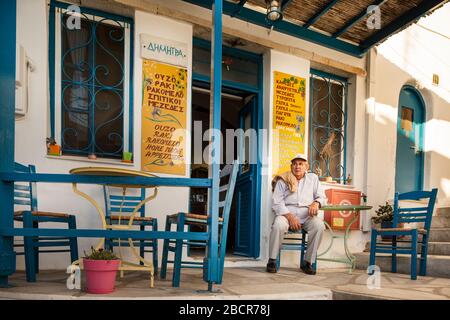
[(100, 275)]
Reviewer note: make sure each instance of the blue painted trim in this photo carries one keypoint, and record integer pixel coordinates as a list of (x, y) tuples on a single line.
[(225, 83), (99, 233), (93, 179), (51, 65), (239, 5), (258, 113), (410, 16), (8, 9), (131, 106), (356, 19), (285, 27), (320, 13)]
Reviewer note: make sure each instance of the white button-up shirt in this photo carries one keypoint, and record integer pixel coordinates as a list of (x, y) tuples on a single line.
[(309, 190)]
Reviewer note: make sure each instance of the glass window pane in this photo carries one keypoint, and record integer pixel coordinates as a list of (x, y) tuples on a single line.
[(327, 131), (92, 88)]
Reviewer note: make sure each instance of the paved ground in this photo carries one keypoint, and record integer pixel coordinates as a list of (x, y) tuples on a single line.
[(241, 283)]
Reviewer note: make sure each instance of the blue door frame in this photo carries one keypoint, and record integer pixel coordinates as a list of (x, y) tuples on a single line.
[(7, 126), (409, 154), (254, 250)]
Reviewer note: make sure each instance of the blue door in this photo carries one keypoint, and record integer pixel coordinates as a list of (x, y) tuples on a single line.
[(247, 230), (410, 125)]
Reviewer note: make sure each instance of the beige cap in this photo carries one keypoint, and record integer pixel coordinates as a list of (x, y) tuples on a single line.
[(299, 156)]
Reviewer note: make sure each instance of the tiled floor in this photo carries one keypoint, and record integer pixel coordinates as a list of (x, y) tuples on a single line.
[(241, 283)]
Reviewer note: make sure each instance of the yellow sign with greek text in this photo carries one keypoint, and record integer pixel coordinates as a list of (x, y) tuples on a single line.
[(289, 94), (164, 97)]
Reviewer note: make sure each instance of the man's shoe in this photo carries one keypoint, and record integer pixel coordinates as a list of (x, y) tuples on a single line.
[(271, 266), (307, 268)]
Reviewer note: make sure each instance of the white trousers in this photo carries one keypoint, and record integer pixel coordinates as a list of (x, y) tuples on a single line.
[(314, 226)]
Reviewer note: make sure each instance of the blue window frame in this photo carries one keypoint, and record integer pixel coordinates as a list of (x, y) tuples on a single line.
[(328, 125), (91, 97)]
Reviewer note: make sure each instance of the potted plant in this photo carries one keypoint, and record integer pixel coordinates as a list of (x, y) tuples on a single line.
[(385, 217), (101, 268)]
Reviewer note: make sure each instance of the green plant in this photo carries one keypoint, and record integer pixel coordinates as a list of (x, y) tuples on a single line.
[(100, 254), (384, 213)]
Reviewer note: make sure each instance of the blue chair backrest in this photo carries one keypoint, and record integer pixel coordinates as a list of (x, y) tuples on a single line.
[(25, 193), (415, 214), (230, 171), (120, 204)]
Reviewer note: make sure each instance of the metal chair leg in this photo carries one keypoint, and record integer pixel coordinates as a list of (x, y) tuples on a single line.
[(394, 255), (414, 255), (423, 256), (373, 247), (165, 252), (155, 247), (178, 253), (29, 249), (73, 240)]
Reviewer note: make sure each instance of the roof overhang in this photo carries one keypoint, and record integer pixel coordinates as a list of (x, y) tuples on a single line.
[(340, 30)]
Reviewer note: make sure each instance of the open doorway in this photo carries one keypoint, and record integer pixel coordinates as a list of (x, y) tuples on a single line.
[(235, 106)]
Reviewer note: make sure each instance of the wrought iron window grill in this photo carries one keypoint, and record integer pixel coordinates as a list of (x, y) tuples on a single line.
[(328, 125), (92, 83)]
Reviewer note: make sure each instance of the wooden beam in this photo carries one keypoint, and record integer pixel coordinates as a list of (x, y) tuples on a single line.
[(320, 13), (356, 19), (146, 6)]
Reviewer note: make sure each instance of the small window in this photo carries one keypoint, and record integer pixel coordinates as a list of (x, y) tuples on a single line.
[(327, 142), (407, 119), (92, 93)]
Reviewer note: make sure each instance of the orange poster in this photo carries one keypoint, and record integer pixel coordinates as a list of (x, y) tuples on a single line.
[(163, 113), (288, 119)]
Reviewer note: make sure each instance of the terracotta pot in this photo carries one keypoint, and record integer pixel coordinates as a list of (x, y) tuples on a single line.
[(100, 275)]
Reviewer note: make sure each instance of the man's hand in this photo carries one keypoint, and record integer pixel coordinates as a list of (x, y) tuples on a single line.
[(294, 222), (313, 209)]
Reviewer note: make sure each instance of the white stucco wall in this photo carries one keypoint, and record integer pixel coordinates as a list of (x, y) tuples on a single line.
[(412, 57)]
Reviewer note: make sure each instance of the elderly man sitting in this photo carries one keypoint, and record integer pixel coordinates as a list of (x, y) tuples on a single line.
[(297, 197)]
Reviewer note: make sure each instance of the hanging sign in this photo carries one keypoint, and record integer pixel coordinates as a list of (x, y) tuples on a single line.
[(163, 113), (164, 50), (288, 119)]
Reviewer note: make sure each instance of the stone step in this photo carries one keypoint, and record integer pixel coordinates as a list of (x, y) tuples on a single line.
[(437, 266), (434, 248), (439, 235), (440, 222), (443, 212), (439, 248)]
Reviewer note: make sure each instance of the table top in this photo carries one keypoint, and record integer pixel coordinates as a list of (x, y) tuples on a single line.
[(346, 207), (108, 171)]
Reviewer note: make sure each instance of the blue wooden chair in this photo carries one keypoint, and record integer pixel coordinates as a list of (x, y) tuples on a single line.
[(117, 207), (406, 215), (26, 195), (228, 176), (295, 243)]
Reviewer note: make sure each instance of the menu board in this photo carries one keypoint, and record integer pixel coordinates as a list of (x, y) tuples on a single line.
[(288, 120), (164, 89)]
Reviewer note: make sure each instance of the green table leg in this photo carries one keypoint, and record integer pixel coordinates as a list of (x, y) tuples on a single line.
[(349, 259)]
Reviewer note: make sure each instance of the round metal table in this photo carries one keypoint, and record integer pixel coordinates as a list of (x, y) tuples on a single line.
[(349, 258), (106, 171)]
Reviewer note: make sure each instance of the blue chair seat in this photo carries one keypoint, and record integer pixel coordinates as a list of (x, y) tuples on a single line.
[(291, 243)]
